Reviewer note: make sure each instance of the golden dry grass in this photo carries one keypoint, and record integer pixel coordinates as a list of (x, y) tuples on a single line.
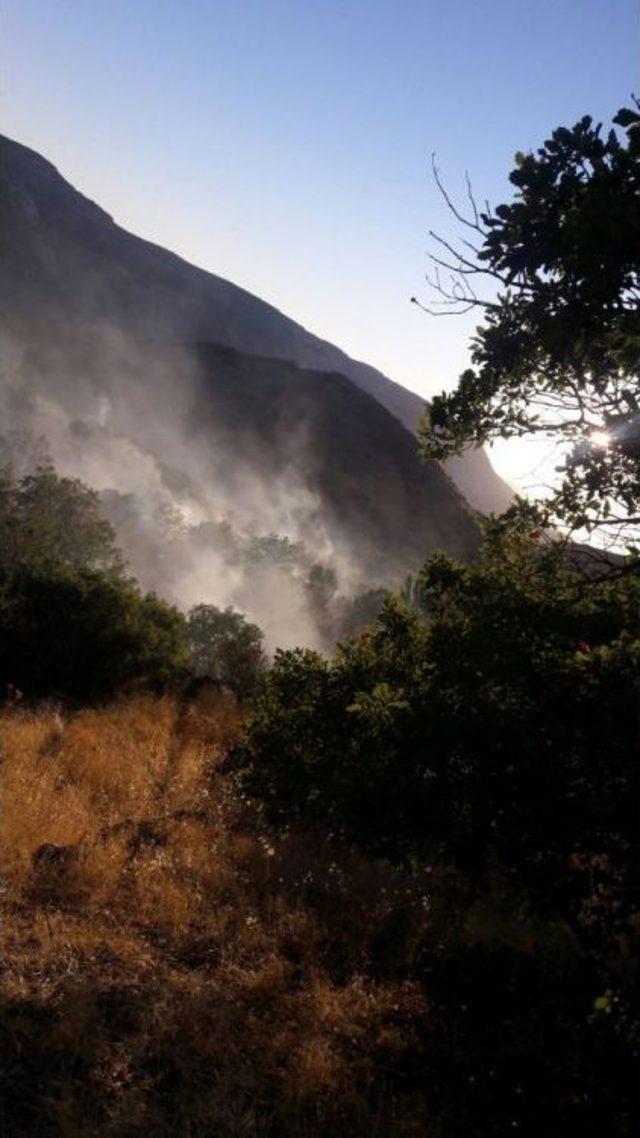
[(181, 971)]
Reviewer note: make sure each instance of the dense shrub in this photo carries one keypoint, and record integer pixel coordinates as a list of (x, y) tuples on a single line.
[(223, 644), (83, 634), (71, 623), (490, 733), (493, 726)]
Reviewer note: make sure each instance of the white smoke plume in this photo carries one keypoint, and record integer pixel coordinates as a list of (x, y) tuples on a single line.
[(198, 521)]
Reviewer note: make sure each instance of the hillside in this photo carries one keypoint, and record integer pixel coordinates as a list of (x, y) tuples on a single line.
[(287, 852), (359, 461), (126, 363), (218, 433), (172, 967), (65, 257)]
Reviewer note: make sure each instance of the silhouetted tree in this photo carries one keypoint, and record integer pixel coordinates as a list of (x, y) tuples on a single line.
[(71, 624), (559, 351), (85, 634)]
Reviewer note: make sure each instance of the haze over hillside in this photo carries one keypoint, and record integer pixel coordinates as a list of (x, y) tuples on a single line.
[(162, 383)]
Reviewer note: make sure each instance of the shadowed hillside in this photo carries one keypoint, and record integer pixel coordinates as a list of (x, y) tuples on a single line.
[(63, 255), (301, 452), (383, 505)]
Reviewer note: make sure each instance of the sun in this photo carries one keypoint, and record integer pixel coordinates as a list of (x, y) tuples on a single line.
[(600, 439)]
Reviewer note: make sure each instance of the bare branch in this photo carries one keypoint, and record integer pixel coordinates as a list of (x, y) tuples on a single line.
[(454, 210), (441, 312), (633, 519), (472, 200), (479, 269)]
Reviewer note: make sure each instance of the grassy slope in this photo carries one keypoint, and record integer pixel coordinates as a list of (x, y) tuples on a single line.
[(184, 973)]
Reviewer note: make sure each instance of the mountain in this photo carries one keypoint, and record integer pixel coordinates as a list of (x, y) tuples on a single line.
[(95, 269), (91, 312)]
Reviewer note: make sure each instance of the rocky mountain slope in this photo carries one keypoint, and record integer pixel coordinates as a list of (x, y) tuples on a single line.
[(97, 269), (90, 312)]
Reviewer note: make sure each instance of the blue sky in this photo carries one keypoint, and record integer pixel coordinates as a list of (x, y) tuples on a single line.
[(285, 144)]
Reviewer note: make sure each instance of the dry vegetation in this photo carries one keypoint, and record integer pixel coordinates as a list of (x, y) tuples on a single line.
[(170, 967)]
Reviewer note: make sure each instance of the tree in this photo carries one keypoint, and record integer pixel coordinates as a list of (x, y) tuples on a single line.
[(223, 644), (48, 519), (488, 735), (85, 634), (71, 624), (559, 351), (492, 725)]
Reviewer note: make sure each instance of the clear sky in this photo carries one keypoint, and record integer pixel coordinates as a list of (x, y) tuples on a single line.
[(285, 144)]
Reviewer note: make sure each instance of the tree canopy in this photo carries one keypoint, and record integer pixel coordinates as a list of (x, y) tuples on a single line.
[(82, 634), (470, 727), (49, 519), (223, 644), (487, 734), (558, 353), (71, 623)]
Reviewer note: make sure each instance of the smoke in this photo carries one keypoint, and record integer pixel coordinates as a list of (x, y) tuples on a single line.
[(202, 511)]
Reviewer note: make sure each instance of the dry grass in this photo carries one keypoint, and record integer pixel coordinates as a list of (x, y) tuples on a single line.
[(176, 970)]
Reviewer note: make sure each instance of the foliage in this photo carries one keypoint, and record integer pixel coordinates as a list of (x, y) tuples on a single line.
[(223, 644), (263, 566), (489, 732), (47, 519), (71, 624), (559, 352), (84, 634), (270, 550), (321, 586), (357, 612), (475, 735), (316, 752)]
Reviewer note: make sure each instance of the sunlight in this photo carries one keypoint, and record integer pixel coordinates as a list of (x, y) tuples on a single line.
[(600, 439)]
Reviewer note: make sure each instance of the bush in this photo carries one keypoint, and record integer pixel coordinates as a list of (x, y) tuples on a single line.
[(489, 734), (223, 644), (71, 624), (493, 725), (83, 634)]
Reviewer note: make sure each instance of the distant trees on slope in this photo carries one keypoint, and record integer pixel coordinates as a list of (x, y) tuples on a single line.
[(73, 624)]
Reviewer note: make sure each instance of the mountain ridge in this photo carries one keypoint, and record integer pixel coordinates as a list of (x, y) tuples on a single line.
[(193, 303)]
